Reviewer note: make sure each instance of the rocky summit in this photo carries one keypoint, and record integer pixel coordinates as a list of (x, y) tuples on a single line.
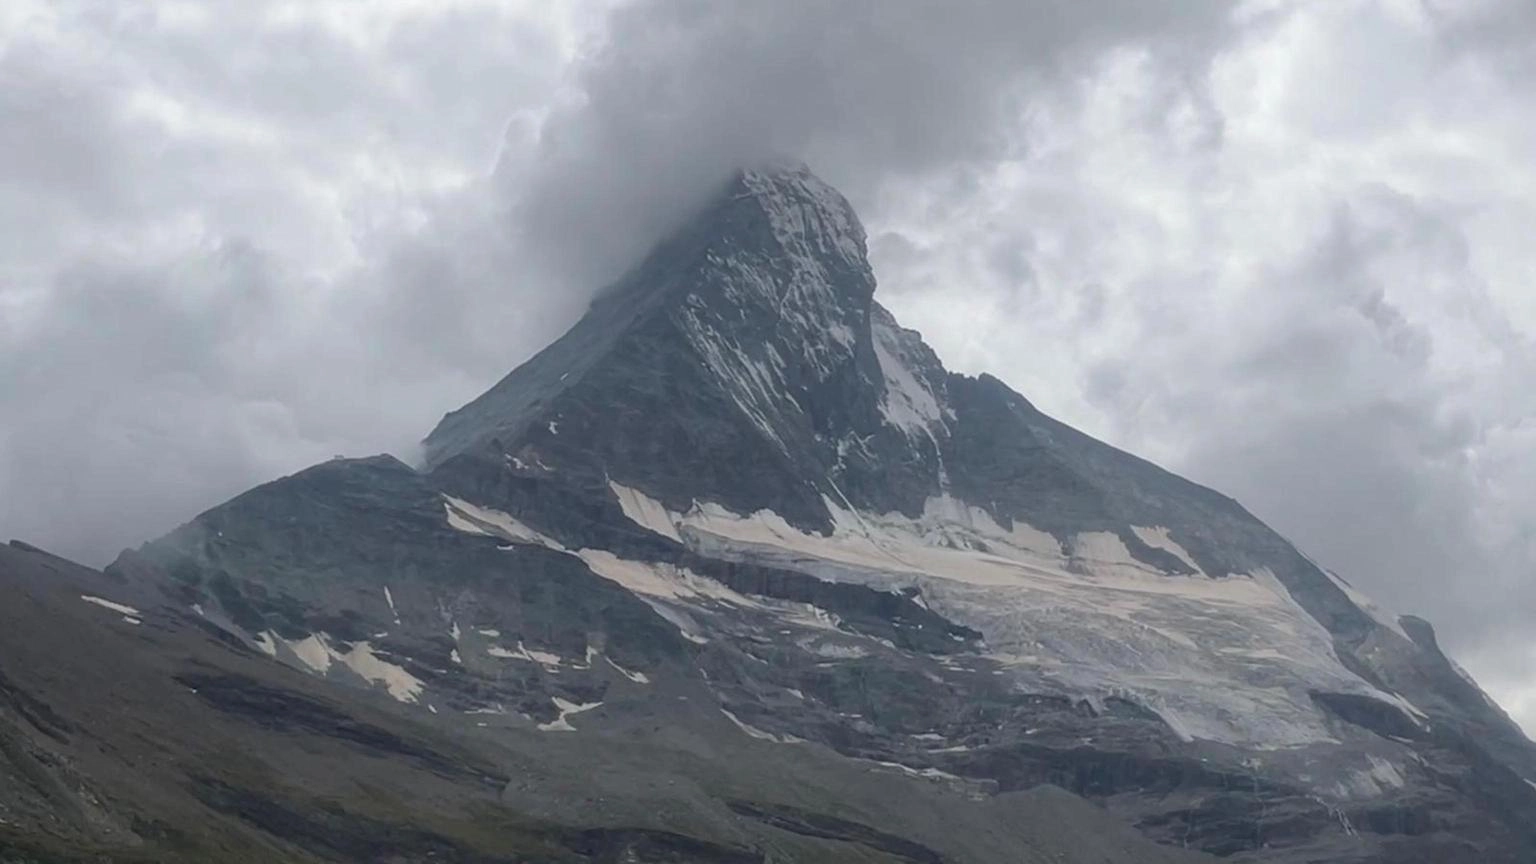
[(736, 571)]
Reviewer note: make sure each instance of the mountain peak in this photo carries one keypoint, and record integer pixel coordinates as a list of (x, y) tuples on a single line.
[(806, 212), (765, 293)]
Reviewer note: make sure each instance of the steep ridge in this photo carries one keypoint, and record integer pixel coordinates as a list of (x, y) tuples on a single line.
[(738, 506)]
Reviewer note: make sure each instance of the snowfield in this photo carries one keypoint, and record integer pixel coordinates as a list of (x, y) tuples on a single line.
[(1228, 658)]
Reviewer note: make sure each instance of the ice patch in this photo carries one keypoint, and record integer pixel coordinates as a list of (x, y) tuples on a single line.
[(820, 618), (402, 685), (754, 732), (127, 611), (1366, 604), (1380, 777), (637, 677), (645, 511), (1412, 710), (1228, 659), (523, 653), (1385, 773), (908, 404), (317, 654), (1158, 538), (833, 650), (472, 519), (129, 619), (660, 580), (925, 773), (1253, 653), (459, 523), (311, 651), (567, 709)]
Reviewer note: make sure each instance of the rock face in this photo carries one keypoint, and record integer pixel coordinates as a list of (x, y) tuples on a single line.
[(741, 517)]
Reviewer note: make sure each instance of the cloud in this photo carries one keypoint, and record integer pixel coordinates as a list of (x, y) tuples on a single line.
[(682, 91), (1281, 246), (247, 241)]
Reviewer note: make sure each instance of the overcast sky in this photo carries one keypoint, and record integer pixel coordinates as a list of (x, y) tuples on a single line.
[(1285, 248)]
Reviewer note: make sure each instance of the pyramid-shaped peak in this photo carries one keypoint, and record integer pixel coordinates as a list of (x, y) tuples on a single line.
[(805, 211), (763, 296)]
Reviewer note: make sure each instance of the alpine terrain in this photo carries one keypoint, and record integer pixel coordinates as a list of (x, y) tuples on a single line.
[(736, 571)]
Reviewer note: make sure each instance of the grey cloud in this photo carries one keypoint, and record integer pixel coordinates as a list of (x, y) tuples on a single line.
[(684, 90), (220, 272), (121, 400), (1322, 412)]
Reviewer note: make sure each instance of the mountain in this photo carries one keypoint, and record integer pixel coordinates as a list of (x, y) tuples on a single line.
[(735, 570)]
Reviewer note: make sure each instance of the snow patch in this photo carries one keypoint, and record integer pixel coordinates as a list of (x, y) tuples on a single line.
[(637, 677), (127, 611), (1367, 605), (832, 650), (402, 685), (317, 654), (1158, 538), (686, 626), (523, 653), (1385, 773), (754, 732), (1378, 778), (660, 580), (473, 519), (1229, 659), (390, 599), (645, 511), (567, 709), (909, 404), (925, 773), (311, 651)]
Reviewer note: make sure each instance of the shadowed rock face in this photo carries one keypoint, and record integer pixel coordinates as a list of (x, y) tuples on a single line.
[(737, 571)]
